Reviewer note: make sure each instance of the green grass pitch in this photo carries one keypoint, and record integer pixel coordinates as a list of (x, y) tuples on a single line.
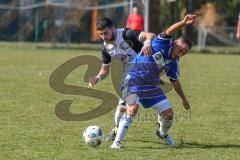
[(29, 128)]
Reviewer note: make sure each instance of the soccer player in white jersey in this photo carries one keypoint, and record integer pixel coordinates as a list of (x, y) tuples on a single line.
[(123, 44), (141, 84)]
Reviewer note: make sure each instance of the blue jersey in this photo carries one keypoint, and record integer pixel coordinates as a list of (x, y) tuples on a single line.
[(142, 73)]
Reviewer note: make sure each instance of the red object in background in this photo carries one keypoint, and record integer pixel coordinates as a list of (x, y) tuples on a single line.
[(135, 22), (238, 28)]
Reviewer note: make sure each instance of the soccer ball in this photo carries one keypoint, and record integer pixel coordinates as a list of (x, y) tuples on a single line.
[(93, 136)]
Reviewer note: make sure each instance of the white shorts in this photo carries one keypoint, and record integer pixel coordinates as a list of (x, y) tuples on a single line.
[(161, 106)]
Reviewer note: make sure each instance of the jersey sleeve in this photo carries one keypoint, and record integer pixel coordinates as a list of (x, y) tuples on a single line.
[(132, 38), (162, 43), (173, 71), (133, 35), (106, 58), (163, 40), (164, 36)]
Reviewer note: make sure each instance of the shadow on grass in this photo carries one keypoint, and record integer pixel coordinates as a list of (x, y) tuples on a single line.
[(147, 144), (199, 145), (162, 145)]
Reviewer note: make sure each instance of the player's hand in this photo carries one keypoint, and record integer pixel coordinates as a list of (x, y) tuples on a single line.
[(92, 82), (147, 49), (161, 82), (189, 18), (186, 104)]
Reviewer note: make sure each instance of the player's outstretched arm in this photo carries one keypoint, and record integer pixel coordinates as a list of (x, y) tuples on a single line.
[(188, 19), (178, 88), (103, 73)]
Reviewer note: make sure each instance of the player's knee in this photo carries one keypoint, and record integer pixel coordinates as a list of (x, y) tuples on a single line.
[(168, 114), (132, 110)]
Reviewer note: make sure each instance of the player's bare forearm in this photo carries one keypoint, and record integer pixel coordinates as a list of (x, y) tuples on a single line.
[(173, 28), (103, 73), (188, 19), (178, 88)]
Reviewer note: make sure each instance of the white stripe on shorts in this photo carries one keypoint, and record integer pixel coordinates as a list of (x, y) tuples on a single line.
[(161, 106)]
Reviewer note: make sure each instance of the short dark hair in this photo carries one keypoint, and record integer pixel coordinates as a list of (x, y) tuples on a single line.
[(187, 41), (104, 23)]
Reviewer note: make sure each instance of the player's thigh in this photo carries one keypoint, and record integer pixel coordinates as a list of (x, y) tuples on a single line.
[(164, 109), (167, 114)]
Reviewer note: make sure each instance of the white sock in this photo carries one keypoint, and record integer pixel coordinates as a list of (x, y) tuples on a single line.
[(124, 124), (118, 116), (165, 125)]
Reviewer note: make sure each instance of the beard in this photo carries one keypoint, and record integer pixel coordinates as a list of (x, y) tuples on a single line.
[(113, 36)]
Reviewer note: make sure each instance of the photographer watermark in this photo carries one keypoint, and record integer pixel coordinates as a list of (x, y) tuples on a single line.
[(109, 100), (153, 117)]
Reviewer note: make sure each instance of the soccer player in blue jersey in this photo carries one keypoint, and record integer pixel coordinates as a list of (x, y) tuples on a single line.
[(122, 44), (141, 84)]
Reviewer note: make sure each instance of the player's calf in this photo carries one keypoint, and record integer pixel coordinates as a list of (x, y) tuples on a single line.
[(121, 109), (118, 114), (124, 124), (165, 123), (165, 120)]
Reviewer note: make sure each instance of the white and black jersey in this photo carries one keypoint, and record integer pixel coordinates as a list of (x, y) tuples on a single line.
[(126, 46)]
